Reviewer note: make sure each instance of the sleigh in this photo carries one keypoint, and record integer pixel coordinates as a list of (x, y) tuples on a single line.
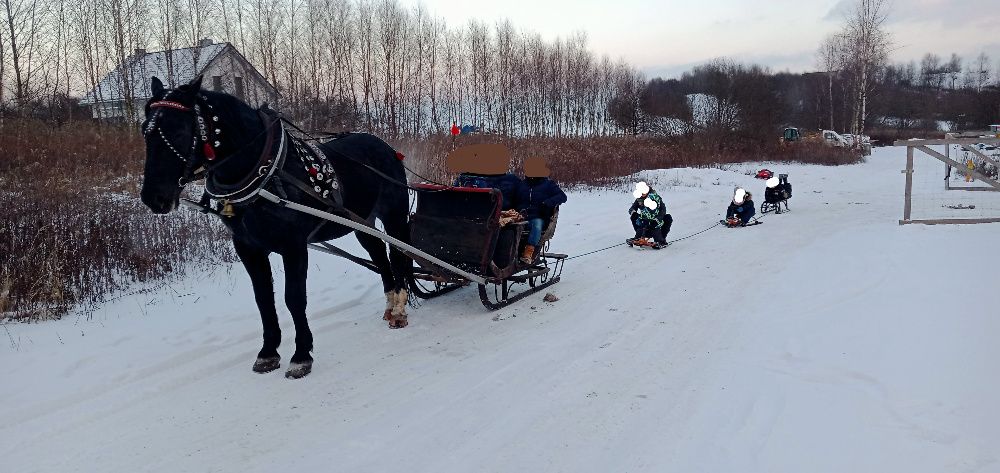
[(461, 226), (456, 240)]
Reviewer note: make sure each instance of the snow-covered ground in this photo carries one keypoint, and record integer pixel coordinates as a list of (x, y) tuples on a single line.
[(829, 339)]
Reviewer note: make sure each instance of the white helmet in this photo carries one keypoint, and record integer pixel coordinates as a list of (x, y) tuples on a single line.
[(739, 196), (641, 189), (773, 182)]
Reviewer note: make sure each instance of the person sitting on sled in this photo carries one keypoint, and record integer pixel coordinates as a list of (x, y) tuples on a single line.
[(538, 200), (649, 217), (741, 209), (485, 166)]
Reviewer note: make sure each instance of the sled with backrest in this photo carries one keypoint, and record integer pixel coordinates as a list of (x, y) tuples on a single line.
[(775, 196)]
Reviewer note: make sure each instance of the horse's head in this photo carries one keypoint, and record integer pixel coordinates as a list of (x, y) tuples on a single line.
[(172, 145)]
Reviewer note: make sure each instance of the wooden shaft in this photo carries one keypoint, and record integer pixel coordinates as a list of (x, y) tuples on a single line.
[(373, 232)]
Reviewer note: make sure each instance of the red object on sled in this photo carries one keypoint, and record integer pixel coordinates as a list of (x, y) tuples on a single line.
[(764, 174)]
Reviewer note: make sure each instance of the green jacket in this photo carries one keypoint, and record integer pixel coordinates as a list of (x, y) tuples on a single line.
[(657, 215)]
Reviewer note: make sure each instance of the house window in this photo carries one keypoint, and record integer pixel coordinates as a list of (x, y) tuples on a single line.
[(217, 83), (239, 87)]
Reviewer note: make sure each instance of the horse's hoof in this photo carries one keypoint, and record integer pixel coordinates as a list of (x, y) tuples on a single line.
[(266, 365), (398, 321), (298, 370), (387, 315)]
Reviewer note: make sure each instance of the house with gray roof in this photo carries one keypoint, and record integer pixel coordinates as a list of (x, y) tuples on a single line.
[(123, 92)]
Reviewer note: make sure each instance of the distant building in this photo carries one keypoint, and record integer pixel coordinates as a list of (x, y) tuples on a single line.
[(223, 69)]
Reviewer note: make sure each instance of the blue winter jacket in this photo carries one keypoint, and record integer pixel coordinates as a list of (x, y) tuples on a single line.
[(744, 211), (539, 198), (509, 185)]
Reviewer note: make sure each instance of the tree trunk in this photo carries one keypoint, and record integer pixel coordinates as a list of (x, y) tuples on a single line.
[(830, 76)]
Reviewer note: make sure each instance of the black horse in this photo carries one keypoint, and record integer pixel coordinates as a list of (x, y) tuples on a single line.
[(191, 133)]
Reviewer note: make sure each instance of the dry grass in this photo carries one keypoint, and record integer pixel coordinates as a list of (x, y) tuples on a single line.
[(72, 230), (603, 162), (886, 136)]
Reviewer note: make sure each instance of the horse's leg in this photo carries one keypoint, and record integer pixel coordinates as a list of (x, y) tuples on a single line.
[(296, 262), (376, 250), (259, 268), (402, 265)]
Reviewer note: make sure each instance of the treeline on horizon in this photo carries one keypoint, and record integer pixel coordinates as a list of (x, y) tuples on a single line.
[(907, 100), (339, 64), (380, 67)]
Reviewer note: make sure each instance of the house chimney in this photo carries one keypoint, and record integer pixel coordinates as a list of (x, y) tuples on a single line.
[(205, 42)]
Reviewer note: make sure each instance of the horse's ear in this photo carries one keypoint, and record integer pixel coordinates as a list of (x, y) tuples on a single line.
[(156, 86), (196, 83)]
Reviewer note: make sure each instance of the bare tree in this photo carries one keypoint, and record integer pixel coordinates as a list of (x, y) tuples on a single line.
[(195, 22), (346, 63), (831, 60), (954, 69), (23, 22), (868, 45), (128, 31), (168, 19), (980, 71), (930, 71)]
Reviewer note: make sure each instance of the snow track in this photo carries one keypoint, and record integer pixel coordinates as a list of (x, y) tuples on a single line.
[(822, 341)]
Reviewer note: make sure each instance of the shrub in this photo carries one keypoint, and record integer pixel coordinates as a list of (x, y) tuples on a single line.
[(603, 161), (72, 230)]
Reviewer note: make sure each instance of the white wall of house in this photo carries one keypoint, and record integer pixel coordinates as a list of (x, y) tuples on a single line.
[(113, 110), (230, 74)]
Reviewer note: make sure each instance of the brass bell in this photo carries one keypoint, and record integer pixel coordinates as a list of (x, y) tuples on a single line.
[(227, 209)]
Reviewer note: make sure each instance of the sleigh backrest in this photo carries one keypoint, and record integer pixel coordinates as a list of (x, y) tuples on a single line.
[(457, 224)]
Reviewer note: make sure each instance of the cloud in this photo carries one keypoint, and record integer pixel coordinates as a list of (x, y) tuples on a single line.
[(840, 10), (953, 13), (957, 13)]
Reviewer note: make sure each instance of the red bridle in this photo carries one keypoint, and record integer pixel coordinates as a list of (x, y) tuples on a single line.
[(170, 104)]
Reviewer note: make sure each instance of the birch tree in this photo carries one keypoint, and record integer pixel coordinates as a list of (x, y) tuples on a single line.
[(868, 45)]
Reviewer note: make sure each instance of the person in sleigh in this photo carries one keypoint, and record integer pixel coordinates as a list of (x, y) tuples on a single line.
[(538, 201)]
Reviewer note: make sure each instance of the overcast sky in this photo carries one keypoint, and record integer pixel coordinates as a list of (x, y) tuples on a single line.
[(666, 37)]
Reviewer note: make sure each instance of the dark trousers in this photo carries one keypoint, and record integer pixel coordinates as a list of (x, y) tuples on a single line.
[(658, 234)]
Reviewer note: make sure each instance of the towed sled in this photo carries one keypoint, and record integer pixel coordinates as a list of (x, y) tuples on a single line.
[(730, 224), (644, 243)]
